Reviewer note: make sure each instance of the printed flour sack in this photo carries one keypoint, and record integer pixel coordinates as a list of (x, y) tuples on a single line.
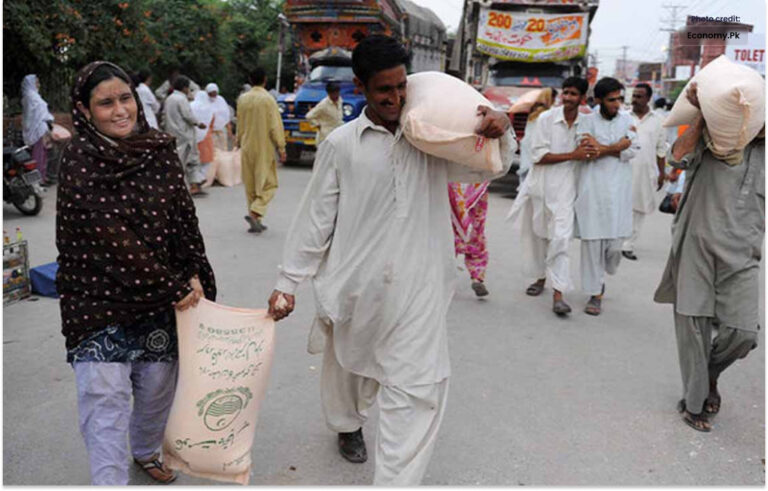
[(732, 100), (440, 116), (225, 355)]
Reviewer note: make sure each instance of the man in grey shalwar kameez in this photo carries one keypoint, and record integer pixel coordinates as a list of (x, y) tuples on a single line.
[(712, 274), (180, 121), (604, 199)]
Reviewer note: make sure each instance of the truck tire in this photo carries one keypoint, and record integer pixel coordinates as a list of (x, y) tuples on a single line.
[(293, 154)]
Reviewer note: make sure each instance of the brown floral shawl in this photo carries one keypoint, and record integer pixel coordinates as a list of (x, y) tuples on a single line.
[(126, 228)]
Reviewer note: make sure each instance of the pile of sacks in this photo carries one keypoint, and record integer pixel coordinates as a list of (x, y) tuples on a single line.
[(225, 168)]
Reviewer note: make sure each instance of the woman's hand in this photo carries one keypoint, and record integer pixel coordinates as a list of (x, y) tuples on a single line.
[(193, 297)]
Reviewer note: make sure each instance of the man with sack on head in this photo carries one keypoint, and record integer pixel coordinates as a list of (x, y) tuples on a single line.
[(373, 231), (713, 272)]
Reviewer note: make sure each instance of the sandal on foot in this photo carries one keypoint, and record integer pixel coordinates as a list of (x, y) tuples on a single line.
[(593, 306), (534, 289), (156, 469), (698, 422), (712, 405), (256, 226), (479, 288), (561, 308)]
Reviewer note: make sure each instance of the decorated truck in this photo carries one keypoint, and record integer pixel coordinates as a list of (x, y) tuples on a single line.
[(508, 47), (324, 35)]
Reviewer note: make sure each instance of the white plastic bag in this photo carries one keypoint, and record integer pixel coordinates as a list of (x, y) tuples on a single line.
[(225, 356), (440, 117), (732, 100)]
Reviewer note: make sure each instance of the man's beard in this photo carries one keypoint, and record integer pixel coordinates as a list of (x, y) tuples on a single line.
[(605, 114)]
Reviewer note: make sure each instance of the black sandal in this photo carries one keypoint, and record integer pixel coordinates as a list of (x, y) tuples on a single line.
[(534, 289), (698, 422), (712, 405)]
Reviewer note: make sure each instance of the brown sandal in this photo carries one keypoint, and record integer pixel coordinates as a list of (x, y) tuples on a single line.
[(157, 469), (699, 422)]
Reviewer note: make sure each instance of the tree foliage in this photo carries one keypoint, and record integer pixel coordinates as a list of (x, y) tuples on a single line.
[(209, 40)]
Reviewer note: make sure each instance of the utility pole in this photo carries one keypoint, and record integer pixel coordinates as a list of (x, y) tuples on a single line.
[(671, 26), (283, 21), (624, 63)]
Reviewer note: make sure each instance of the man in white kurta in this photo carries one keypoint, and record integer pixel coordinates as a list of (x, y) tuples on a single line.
[(604, 198), (373, 232), (148, 100), (545, 201), (647, 164)]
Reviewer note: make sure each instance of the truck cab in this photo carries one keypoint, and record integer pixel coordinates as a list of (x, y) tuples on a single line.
[(508, 80), (330, 65)]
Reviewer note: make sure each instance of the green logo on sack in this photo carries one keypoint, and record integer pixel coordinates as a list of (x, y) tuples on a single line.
[(221, 407)]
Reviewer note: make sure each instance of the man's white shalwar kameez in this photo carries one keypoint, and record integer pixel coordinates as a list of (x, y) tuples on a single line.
[(545, 201), (651, 141), (150, 104), (604, 200), (373, 231)]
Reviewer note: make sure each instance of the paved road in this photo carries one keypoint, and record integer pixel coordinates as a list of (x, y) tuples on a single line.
[(534, 400)]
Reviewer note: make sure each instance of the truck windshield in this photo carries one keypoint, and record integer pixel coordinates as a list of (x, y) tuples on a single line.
[(326, 73), (528, 75)]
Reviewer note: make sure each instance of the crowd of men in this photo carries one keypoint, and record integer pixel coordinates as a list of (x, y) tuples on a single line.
[(201, 122), (371, 233)]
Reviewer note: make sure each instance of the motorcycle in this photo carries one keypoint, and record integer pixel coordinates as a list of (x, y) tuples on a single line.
[(22, 185)]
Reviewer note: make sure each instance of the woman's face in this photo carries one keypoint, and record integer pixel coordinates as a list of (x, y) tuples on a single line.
[(112, 109)]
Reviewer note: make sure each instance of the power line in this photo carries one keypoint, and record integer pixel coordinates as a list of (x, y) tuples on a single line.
[(672, 20), (671, 27)]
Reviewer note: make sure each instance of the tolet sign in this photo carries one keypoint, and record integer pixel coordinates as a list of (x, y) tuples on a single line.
[(751, 53)]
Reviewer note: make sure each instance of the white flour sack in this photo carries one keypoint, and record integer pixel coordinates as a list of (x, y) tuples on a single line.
[(732, 100), (225, 355), (440, 116)]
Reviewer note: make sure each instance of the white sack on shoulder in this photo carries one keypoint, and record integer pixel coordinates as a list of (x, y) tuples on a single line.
[(732, 100), (440, 117), (225, 355)]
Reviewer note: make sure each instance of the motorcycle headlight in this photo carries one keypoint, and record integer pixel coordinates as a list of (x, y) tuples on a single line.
[(281, 107), (347, 110)]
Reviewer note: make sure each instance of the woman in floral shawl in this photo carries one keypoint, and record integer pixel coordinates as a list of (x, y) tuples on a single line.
[(130, 251)]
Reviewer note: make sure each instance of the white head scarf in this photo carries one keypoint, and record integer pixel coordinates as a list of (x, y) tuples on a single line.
[(34, 111), (220, 108), (203, 111)]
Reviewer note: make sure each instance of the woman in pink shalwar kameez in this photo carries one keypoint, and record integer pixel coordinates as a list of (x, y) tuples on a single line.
[(469, 207)]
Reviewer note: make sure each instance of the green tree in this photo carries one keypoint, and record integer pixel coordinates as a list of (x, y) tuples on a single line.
[(208, 40)]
